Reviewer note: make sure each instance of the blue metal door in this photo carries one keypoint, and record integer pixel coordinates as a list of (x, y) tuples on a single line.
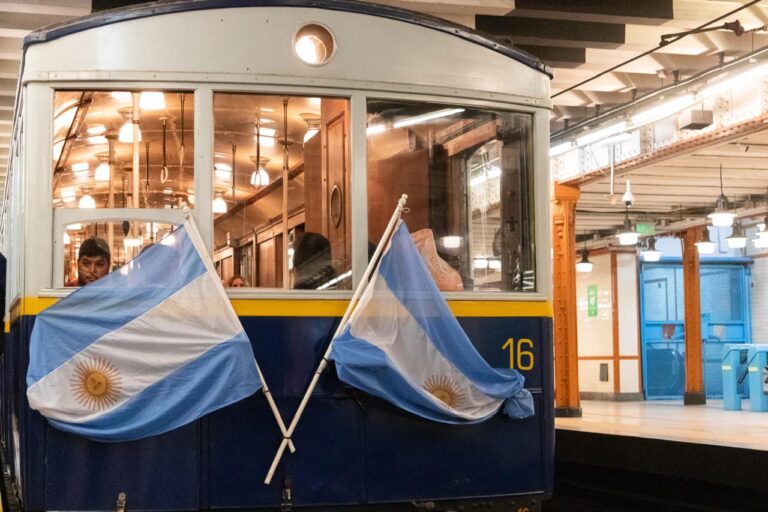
[(725, 319)]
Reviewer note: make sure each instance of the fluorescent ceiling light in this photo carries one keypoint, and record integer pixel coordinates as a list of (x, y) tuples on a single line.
[(666, 109), (375, 129), (727, 83), (152, 100), (561, 148), (601, 134), (427, 117)]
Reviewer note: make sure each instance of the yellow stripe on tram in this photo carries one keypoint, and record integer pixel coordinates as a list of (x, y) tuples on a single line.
[(330, 308)]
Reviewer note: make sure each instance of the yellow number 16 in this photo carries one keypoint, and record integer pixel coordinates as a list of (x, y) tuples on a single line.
[(518, 353)]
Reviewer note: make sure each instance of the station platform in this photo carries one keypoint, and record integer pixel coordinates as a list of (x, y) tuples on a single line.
[(661, 455)]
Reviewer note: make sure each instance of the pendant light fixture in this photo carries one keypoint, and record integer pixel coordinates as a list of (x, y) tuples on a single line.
[(102, 171), (87, 200), (219, 204), (651, 254), (721, 217), (259, 176), (313, 125), (584, 265), (705, 245), (126, 131), (627, 235), (737, 240)]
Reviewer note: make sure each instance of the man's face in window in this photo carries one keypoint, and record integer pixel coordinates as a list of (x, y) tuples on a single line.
[(91, 268)]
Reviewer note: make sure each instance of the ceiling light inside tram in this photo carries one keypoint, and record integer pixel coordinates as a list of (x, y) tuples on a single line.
[(87, 201), (223, 171), (126, 131), (102, 172), (219, 204), (152, 100)]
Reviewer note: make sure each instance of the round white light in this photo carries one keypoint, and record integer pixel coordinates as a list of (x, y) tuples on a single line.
[(219, 205), (651, 256), (87, 202), (102, 172), (584, 266), (706, 247), (314, 44), (451, 242), (628, 238), (722, 219), (260, 177)]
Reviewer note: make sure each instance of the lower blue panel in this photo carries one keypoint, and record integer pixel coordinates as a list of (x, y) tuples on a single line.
[(351, 448), (155, 473), (434, 461)]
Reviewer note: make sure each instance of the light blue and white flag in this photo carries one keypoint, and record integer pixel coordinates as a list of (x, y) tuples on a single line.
[(403, 344), (144, 350)]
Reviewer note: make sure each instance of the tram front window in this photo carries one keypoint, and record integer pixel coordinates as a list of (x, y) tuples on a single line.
[(96, 163), (468, 176), (281, 186)]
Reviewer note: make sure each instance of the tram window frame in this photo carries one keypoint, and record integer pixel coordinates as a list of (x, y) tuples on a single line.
[(94, 147), (338, 110), (528, 181)]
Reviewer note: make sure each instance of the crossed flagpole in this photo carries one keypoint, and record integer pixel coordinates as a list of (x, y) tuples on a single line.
[(286, 442), (194, 236)]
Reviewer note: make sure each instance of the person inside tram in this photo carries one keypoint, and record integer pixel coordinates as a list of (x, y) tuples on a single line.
[(92, 262), (312, 262), (237, 281)]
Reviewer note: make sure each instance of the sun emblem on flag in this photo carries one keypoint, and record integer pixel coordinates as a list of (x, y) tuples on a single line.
[(96, 384), (444, 389)]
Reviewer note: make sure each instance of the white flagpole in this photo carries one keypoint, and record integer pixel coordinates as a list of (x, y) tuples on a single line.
[(273, 406), (197, 241), (324, 362)]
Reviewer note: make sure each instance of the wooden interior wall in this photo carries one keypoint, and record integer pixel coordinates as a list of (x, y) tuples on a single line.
[(388, 179), (334, 119), (314, 186)]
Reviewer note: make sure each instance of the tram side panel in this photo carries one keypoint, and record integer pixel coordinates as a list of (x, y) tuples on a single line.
[(354, 448)]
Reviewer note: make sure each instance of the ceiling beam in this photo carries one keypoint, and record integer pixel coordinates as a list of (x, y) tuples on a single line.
[(656, 12), (533, 31), (557, 57)]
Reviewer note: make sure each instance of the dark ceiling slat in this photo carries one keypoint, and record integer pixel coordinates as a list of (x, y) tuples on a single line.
[(542, 32), (556, 56), (644, 12)]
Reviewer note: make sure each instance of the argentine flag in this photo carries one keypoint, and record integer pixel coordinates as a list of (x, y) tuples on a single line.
[(148, 348), (403, 344)]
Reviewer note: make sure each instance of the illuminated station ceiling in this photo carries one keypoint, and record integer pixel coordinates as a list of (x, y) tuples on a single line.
[(578, 40)]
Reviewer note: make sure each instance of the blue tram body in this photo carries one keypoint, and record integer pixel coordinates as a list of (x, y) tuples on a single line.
[(455, 120), (352, 449)]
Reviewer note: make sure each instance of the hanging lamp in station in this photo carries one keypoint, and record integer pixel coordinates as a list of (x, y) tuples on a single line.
[(584, 265), (737, 239), (650, 253), (721, 217), (627, 234), (705, 245), (761, 239)]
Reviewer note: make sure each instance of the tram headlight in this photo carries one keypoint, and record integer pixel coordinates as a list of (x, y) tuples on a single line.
[(314, 44)]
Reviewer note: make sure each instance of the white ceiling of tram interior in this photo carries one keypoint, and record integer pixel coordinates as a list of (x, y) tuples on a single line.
[(578, 40)]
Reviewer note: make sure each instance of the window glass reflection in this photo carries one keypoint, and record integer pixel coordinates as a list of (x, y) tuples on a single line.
[(281, 181), (468, 179), (92, 250), (96, 163)]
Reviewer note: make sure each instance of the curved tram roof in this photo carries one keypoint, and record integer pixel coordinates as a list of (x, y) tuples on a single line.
[(58, 30)]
